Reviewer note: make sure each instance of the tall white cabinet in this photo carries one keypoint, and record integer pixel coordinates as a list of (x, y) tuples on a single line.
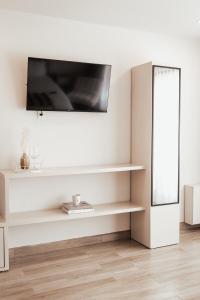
[(155, 144)]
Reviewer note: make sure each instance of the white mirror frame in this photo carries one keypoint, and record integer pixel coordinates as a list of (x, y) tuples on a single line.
[(165, 135)]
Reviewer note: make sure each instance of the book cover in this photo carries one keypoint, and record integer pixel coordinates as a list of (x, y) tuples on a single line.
[(84, 206)]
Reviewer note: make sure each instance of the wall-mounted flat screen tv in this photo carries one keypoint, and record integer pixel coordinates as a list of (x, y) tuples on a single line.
[(55, 85)]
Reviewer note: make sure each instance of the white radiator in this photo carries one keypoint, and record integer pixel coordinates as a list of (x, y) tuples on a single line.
[(192, 204)]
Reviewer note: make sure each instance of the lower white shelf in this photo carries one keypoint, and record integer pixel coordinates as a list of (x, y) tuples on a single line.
[(53, 215)]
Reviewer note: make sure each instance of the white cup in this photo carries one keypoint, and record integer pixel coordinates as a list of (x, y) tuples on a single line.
[(76, 199)]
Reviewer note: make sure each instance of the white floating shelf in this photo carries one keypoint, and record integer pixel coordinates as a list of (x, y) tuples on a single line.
[(53, 215), (71, 171)]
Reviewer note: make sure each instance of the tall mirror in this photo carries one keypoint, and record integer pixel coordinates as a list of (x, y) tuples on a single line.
[(165, 150)]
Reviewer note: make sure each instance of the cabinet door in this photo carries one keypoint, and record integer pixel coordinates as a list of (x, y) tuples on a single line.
[(2, 260), (165, 150)]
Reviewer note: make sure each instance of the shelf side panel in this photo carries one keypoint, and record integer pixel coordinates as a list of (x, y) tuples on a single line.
[(141, 150), (3, 197)]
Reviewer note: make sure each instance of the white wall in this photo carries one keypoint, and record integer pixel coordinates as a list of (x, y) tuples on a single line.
[(85, 138)]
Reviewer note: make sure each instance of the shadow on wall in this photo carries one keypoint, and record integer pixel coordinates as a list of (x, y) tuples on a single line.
[(17, 65)]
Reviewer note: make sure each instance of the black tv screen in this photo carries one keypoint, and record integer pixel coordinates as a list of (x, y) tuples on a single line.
[(55, 85)]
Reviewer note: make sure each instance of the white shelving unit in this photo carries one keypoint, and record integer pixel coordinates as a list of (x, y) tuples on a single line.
[(54, 215), (8, 219), (152, 137)]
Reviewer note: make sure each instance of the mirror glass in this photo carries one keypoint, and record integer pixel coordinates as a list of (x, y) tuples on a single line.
[(165, 158)]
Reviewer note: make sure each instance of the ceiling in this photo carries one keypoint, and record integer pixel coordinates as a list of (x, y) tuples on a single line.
[(179, 17)]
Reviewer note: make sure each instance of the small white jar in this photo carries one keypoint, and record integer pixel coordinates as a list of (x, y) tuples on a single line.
[(76, 199)]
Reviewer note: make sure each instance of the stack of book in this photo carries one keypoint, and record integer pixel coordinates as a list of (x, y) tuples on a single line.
[(82, 207)]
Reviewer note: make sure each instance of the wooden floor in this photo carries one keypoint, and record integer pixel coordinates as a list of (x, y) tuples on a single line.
[(112, 270)]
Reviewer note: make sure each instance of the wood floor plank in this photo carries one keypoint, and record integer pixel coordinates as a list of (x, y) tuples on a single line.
[(120, 270)]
